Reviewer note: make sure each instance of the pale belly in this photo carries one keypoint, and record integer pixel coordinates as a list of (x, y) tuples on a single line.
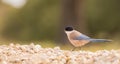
[(79, 43)]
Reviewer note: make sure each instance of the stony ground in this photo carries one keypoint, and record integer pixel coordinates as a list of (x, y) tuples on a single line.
[(35, 54)]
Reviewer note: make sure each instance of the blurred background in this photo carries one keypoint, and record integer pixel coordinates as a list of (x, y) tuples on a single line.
[(43, 21)]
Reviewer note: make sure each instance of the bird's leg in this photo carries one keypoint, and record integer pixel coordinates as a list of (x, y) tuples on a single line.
[(73, 49), (80, 48)]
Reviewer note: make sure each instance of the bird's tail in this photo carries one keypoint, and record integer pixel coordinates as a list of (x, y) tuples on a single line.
[(100, 40)]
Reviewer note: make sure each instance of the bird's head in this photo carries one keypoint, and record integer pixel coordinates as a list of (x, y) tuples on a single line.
[(69, 29)]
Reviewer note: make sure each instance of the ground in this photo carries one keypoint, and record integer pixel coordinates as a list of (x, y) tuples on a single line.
[(36, 54)]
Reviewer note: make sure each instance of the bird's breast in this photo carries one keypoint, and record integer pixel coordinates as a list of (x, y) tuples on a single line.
[(78, 43)]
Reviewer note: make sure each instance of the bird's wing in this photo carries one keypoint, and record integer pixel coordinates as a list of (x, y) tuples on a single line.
[(82, 37)]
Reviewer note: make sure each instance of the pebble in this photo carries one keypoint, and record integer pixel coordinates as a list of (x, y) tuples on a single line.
[(35, 54)]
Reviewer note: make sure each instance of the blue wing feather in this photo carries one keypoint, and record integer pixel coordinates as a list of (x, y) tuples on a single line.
[(82, 37)]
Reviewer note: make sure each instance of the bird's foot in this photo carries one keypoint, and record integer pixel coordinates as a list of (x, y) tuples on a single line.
[(73, 49)]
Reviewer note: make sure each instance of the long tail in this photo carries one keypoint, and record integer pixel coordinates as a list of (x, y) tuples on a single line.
[(100, 40)]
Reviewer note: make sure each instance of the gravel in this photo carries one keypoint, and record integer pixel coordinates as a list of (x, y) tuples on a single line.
[(35, 54)]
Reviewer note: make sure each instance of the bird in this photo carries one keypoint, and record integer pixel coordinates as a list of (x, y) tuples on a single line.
[(78, 39)]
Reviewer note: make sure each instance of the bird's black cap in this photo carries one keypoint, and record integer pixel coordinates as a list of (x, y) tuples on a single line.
[(68, 28)]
